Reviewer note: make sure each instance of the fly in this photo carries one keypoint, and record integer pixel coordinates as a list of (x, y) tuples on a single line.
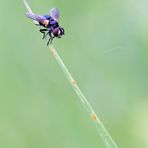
[(49, 24)]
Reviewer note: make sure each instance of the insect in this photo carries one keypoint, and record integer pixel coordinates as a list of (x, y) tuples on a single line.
[(49, 24)]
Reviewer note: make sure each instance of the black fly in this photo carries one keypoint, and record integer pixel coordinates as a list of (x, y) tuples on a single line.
[(49, 23)]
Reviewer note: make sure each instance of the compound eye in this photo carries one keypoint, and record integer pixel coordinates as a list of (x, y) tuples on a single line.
[(56, 32), (59, 32)]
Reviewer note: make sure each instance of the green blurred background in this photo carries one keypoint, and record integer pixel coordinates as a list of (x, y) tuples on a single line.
[(106, 50)]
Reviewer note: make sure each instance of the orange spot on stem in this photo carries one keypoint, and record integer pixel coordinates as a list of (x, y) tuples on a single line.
[(93, 117), (73, 82), (52, 51)]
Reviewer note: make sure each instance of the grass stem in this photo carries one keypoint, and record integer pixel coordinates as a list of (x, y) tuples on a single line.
[(108, 141)]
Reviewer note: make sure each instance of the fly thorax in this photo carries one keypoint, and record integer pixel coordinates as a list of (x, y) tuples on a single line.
[(54, 24)]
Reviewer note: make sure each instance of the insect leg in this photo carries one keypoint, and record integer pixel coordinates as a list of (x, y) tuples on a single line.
[(49, 41), (46, 34), (43, 31), (50, 38)]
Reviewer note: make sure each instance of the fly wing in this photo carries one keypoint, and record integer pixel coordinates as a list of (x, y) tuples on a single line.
[(55, 14), (35, 17)]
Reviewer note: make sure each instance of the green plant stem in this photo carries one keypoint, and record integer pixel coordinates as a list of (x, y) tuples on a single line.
[(102, 130), (106, 137)]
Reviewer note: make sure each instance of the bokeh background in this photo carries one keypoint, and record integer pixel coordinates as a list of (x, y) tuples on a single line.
[(106, 50)]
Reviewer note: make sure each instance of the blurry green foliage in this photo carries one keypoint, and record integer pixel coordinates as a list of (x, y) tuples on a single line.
[(106, 50)]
